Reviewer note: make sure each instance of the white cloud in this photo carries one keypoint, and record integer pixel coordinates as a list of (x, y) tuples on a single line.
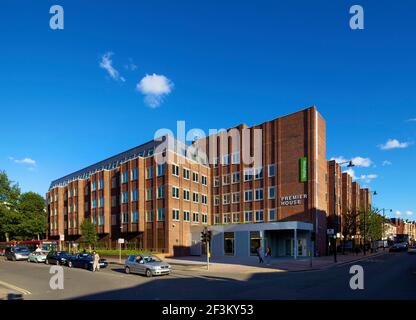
[(106, 63), (409, 213), (154, 88), (387, 163), (131, 66), (357, 161), (394, 144), (27, 161), (398, 213), (411, 120), (362, 162), (367, 178)]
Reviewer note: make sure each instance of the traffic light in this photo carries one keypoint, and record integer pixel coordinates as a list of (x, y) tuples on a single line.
[(208, 235), (203, 236)]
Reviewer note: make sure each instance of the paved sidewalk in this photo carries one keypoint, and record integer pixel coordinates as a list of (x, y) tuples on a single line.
[(230, 264)]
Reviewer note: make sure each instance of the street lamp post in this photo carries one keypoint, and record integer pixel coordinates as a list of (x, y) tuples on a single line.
[(384, 219)]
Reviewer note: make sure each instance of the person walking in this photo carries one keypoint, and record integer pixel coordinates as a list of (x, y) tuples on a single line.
[(96, 262), (268, 255), (259, 255)]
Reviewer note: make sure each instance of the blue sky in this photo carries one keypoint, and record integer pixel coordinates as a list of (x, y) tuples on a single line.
[(249, 61)]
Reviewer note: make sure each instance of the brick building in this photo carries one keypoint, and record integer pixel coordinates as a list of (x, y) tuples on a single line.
[(283, 201)]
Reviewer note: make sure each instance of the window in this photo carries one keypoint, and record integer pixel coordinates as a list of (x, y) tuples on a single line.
[(93, 187), (186, 216), (94, 203), (186, 174), (248, 195), (101, 184), (101, 220), (236, 197), (227, 218), (255, 242), (149, 172), (113, 201), (124, 176), (258, 173), (229, 243), (195, 197), (259, 194), (186, 195), (195, 177), (113, 220), (272, 215), (272, 193), (134, 174), (236, 177), (175, 192), (134, 195), (235, 159), (113, 184), (226, 160), (215, 163), (101, 202), (175, 170), (259, 216), (248, 175), (175, 214), (94, 219), (204, 218), (204, 180), (226, 199), (124, 197), (149, 216), (226, 179), (204, 199), (248, 216), (160, 192), (160, 170), (272, 170), (125, 217), (161, 214), (216, 200), (216, 182), (195, 217), (149, 194), (217, 219), (236, 217)]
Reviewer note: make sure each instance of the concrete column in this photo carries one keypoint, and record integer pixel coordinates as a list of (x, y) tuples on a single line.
[(295, 249)]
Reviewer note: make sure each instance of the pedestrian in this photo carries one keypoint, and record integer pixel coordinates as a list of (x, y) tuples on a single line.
[(268, 255), (96, 262), (38, 249), (259, 255)]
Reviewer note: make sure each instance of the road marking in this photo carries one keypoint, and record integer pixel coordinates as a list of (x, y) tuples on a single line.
[(12, 287)]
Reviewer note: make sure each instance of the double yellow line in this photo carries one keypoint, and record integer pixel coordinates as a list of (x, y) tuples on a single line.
[(12, 287)]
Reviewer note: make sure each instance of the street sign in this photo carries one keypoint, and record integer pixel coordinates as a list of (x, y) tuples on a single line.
[(121, 241), (330, 232)]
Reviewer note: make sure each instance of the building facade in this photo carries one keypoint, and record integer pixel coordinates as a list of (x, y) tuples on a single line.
[(286, 200)]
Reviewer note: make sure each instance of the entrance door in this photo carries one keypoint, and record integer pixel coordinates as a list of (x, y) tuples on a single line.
[(288, 247)]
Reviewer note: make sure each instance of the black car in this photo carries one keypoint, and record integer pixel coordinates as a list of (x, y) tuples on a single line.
[(16, 253), (85, 261), (57, 257)]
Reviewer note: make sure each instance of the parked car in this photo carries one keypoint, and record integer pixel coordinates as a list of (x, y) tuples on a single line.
[(37, 257), (85, 261), (148, 265), (411, 249), (57, 257), (400, 246), (17, 253)]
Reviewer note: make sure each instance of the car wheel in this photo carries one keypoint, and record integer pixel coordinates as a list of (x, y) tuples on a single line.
[(13, 258), (127, 270), (70, 264), (148, 273)]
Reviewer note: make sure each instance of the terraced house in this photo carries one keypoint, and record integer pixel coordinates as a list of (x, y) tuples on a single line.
[(286, 201)]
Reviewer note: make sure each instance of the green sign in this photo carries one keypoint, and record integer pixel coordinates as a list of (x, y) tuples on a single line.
[(303, 169)]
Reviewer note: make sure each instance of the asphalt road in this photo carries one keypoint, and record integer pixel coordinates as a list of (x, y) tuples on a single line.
[(390, 276)]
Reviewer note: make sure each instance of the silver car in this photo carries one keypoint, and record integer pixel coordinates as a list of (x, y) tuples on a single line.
[(146, 264)]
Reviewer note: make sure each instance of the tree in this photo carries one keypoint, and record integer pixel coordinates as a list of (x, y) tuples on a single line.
[(33, 223), (9, 216), (371, 224), (349, 223), (89, 233)]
